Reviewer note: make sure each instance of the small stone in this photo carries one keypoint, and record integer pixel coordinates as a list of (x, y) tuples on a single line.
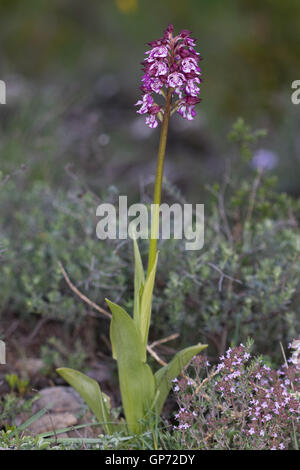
[(29, 366), (52, 422), (59, 400)]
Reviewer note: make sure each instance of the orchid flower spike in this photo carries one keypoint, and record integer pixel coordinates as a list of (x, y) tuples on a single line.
[(171, 64)]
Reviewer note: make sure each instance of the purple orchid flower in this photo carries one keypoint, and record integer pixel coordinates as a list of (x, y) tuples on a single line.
[(171, 64)]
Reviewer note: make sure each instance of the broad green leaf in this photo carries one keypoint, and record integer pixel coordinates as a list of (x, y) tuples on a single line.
[(90, 391), (166, 374), (137, 382), (146, 304), (139, 281), (119, 311)]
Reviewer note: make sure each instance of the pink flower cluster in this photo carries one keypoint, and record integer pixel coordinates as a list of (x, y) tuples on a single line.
[(171, 64), (272, 402), (242, 394)]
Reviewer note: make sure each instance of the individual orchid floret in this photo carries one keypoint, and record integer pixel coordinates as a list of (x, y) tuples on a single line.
[(189, 64), (192, 88), (171, 71), (157, 52), (187, 107), (151, 121), (176, 79), (145, 103)]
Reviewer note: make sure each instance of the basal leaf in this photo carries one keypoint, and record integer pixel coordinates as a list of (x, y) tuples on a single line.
[(90, 391), (166, 374), (137, 382), (120, 312)]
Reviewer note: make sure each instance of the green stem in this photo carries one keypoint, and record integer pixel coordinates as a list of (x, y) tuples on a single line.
[(158, 181)]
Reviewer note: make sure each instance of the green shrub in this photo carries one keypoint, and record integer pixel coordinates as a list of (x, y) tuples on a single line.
[(39, 228), (54, 354), (244, 282)]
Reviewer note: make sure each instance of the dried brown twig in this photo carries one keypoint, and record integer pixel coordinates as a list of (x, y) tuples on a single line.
[(82, 296), (164, 340)]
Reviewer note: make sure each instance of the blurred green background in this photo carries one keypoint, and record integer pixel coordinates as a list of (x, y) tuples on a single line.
[(73, 73)]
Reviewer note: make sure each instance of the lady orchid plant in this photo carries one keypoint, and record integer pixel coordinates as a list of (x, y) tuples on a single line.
[(170, 70)]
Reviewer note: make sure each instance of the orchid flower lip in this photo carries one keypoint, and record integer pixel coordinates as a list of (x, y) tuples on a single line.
[(171, 64)]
